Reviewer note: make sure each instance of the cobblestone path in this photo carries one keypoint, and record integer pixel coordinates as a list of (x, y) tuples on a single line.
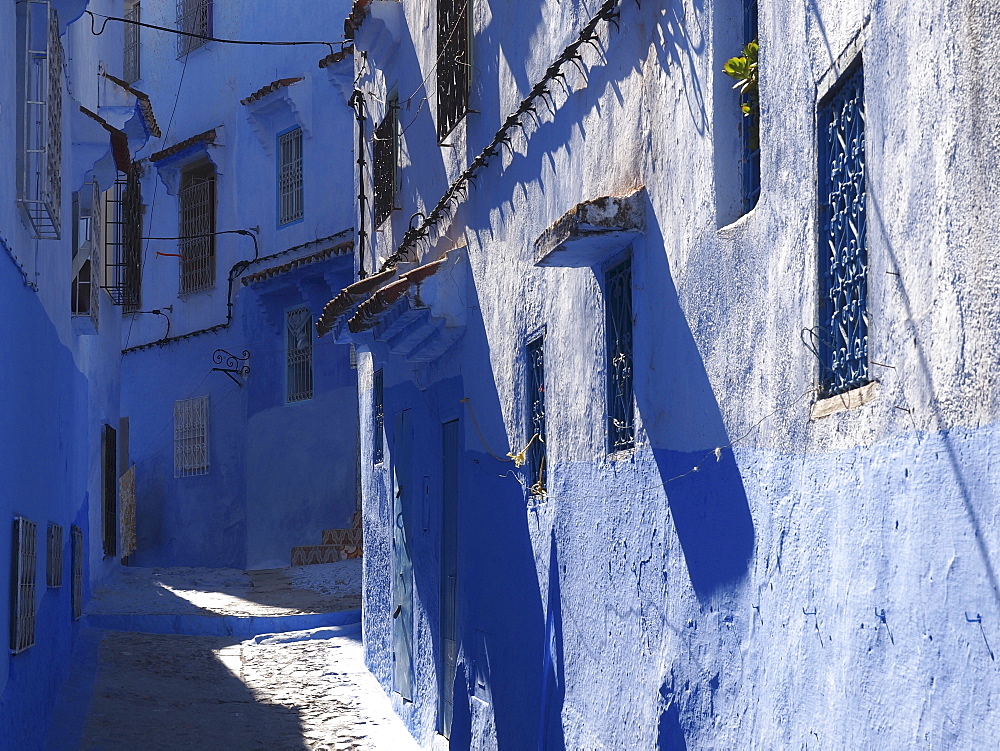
[(195, 692)]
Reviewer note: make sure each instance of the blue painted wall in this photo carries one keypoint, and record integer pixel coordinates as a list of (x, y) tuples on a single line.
[(749, 574)]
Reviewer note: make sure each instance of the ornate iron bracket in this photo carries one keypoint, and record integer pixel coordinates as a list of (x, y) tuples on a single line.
[(235, 366)]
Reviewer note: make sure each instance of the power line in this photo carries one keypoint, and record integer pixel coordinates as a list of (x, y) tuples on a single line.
[(95, 32)]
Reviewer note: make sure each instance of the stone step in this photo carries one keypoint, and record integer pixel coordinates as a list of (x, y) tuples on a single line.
[(305, 555)]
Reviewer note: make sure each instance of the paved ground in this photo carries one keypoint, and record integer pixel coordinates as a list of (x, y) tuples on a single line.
[(302, 690), (203, 591)]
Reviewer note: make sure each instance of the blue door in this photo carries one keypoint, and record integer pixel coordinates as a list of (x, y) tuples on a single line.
[(402, 579), (449, 574)]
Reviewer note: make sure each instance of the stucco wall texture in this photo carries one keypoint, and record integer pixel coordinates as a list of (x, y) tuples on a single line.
[(746, 576), (59, 387), (279, 473)]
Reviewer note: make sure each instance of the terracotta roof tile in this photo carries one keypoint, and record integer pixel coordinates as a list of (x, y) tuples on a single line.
[(268, 273), (358, 11), (119, 142), (144, 105), (207, 137), (371, 309), (336, 57), (348, 297), (269, 89)]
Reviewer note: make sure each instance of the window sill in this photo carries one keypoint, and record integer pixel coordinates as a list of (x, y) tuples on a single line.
[(842, 402)]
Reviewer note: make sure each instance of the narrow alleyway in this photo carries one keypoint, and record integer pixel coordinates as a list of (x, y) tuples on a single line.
[(167, 661)]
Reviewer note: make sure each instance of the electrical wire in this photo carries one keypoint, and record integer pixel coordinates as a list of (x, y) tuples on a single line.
[(207, 38)]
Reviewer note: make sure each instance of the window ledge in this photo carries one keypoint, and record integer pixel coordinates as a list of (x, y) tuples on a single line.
[(842, 402)]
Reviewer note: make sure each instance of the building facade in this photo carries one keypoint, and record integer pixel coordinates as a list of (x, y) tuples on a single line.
[(66, 131), (248, 231), (678, 404)]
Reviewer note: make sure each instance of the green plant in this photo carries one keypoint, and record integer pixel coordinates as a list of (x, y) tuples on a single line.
[(744, 69)]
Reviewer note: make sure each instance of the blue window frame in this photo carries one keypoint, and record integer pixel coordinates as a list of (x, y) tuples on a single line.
[(618, 330), (751, 122), (378, 418), (536, 416), (290, 189), (843, 255)]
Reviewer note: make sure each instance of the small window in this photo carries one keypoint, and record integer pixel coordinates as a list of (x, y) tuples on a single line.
[(54, 556), (191, 437), (76, 551), (131, 70), (385, 159), (536, 458), (843, 255), (299, 355), (88, 225), (22, 607), (378, 418), (750, 130), (109, 478), (290, 176), (453, 63), (193, 17), (196, 203), (618, 330)]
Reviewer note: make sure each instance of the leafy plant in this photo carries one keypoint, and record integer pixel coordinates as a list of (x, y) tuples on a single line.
[(744, 69)]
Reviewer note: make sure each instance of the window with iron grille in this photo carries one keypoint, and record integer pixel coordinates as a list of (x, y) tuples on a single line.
[(76, 564), (39, 123), (299, 349), (378, 417), (196, 202), (384, 160), (123, 241), (453, 64), (88, 229), (54, 556), (191, 437), (22, 607), (131, 70), (618, 329), (290, 176), (843, 255), (109, 490), (536, 458), (193, 17), (750, 130)]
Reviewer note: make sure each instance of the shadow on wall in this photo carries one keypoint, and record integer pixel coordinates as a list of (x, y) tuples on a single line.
[(684, 424), (553, 677)]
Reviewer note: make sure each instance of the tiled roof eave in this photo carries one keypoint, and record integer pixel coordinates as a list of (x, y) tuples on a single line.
[(273, 271)]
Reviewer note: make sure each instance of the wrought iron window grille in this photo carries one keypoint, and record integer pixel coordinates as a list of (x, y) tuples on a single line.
[(193, 17), (22, 611), (191, 437), (618, 330), (298, 355), (378, 418), (131, 69), (453, 64), (290, 195), (109, 492), (54, 556), (385, 159), (196, 204), (842, 333), (123, 241), (40, 67), (536, 454), (76, 565)]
